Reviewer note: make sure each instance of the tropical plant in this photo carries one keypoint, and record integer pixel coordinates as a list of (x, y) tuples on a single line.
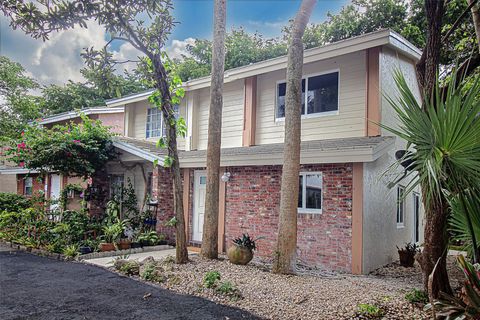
[(441, 156), (467, 305), (150, 238), (246, 241), (13, 202), (210, 279), (71, 251), (409, 247), (461, 210), (416, 296), (370, 311), (130, 268), (113, 232)]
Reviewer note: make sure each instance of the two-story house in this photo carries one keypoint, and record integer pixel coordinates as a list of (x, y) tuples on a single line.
[(348, 217)]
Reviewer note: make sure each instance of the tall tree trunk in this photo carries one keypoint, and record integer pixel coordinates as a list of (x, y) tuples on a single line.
[(436, 238), (427, 66), (181, 255), (435, 246), (210, 226), (287, 224), (476, 20)]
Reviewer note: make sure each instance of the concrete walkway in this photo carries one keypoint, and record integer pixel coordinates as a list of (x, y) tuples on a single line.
[(108, 261)]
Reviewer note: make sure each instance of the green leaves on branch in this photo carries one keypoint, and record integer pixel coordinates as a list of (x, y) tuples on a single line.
[(72, 149)]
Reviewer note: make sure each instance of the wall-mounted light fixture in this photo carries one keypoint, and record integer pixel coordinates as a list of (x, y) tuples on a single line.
[(226, 177)]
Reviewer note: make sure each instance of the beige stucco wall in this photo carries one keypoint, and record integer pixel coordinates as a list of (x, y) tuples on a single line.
[(380, 232), (8, 183)]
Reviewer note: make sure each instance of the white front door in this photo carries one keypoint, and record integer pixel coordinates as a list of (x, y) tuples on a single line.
[(55, 185), (199, 191)]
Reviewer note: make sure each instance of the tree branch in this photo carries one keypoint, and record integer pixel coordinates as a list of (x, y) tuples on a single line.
[(459, 19)]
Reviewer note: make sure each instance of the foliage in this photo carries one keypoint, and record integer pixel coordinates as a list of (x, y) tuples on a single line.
[(469, 206), (129, 200), (71, 251), (467, 306), (211, 278), (17, 105), (13, 202), (73, 149), (245, 241), (411, 248), (150, 238), (130, 268), (152, 273), (228, 289), (370, 311), (113, 232), (416, 296), (63, 199)]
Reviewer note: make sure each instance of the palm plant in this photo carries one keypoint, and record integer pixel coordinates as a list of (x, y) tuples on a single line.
[(442, 156)]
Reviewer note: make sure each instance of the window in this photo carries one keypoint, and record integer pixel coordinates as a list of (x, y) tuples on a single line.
[(116, 186), (321, 95), (28, 186), (310, 192), (155, 126), (416, 217), (400, 206)]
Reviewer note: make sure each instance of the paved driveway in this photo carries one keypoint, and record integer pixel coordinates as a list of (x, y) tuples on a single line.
[(33, 287)]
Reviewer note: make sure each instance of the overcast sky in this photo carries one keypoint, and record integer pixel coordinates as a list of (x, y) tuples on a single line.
[(58, 59)]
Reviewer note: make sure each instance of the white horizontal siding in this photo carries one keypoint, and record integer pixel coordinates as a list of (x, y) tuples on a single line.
[(350, 121), (232, 115)]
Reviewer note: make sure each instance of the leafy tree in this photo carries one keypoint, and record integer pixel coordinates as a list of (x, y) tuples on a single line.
[(287, 223), (17, 104), (72, 149), (210, 227), (124, 21)]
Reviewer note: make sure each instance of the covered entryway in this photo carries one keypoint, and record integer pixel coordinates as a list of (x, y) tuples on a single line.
[(55, 190)]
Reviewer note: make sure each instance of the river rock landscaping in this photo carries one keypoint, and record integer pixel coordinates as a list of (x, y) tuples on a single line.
[(313, 294)]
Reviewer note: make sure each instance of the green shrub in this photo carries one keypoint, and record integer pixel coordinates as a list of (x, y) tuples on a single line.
[(370, 311), (150, 272), (130, 268), (71, 251), (13, 202), (416, 296), (229, 289), (210, 279)]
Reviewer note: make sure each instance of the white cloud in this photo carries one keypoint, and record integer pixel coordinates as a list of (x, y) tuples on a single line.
[(178, 48), (267, 24)]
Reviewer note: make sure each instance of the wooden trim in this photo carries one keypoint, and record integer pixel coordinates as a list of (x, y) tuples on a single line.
[(357, 219), (221, 213), (249, 111), (373, 92), (186, 201)]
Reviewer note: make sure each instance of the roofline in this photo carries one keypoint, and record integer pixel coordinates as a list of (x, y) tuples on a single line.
[(374, 39), (76, 113), (17, 171), (137, 152)]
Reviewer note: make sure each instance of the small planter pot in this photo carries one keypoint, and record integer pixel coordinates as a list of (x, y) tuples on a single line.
[(124, 244), (407, 259), (85, 250), (239, 255), (106, 247), (136, 245)]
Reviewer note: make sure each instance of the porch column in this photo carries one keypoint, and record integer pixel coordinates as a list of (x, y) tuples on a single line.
[(221, 212), (186, 202), (357, 219), (155, 180), (249, 111)]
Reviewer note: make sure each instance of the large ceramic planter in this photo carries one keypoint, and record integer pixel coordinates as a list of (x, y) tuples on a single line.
[(407, 259), (106, 247), (239, 255)]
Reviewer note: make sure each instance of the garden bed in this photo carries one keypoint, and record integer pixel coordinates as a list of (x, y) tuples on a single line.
[(312, 295)]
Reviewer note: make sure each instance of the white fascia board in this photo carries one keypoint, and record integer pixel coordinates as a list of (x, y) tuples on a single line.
[(141, 96), (138, 152), (17, 171), (358, 154), (76, 114)]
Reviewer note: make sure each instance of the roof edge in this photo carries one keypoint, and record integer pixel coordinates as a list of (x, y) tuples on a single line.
[(76, 113)]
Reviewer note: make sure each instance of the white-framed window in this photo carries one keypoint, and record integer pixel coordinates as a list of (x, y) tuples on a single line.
[(310, 192), (28, 186), (319, 95), (400, 207), (155, 126)]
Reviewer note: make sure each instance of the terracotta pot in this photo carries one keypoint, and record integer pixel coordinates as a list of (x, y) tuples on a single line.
[(106, 247), (239, 255), (124, 244), (407, 259)]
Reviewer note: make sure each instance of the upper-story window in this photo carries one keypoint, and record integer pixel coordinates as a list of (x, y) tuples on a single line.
[(155, 126), (320, 97)]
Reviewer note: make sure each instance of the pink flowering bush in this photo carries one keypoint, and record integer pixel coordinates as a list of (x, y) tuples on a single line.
[(73, 149)]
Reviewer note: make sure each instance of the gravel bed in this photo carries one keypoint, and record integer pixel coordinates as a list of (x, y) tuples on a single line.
[(310, 295)]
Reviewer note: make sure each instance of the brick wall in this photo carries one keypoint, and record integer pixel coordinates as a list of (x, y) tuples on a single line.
[(162, 189), (37, 183), (324, 240)]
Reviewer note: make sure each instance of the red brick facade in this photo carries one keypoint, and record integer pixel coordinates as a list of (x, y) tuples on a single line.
[(162, 190), (324, 240), (38, 185)]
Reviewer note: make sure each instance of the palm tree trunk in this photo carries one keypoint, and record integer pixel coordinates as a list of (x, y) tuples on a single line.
[(287, 224), (210, 226)]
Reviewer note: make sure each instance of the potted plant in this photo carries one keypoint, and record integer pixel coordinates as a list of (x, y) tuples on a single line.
[(111, 234), (241, 252), (149, 238), (407, 254), (86, 246)]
